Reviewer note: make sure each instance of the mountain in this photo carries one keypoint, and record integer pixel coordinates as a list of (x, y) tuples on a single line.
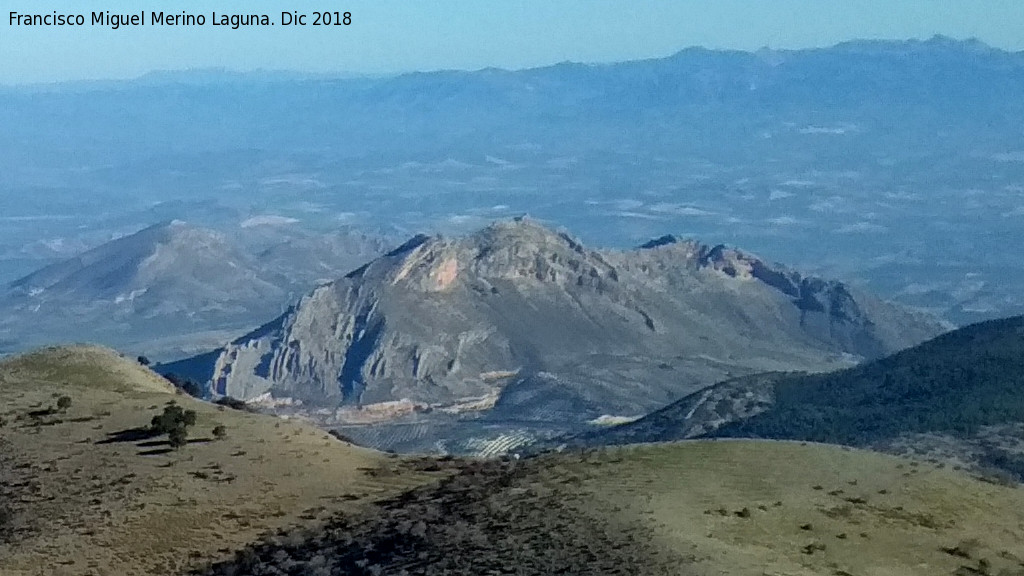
[(153, 271), (170, 283), (305, 258), (695, 415), (959, 396), (527, 323)]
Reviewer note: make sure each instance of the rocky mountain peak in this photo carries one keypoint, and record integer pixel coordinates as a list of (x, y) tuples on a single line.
[(433, 318), (729, 261), (518, 230), (720, 258), (525, 251), (519, 250), (673, 249)]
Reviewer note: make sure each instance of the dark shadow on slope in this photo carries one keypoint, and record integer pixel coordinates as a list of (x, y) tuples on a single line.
[(129, 435), (350, 381), (491, 518)]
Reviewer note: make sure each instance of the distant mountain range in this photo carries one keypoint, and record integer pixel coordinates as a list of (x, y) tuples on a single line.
[(929, 75), (170, 285), (518, 321), (873, 161)]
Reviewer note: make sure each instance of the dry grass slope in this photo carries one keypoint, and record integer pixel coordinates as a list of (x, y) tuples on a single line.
[(77, 498), (763, 507), (708, 507), (79, 494)]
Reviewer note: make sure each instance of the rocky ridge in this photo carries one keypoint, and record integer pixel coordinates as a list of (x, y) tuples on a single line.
[(617, 332)]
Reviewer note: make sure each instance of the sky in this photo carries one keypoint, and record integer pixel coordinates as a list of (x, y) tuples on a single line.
[(391, 36)]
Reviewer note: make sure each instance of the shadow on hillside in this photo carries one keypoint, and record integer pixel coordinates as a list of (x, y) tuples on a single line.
[(129, 435), (153, 443), (144, 437), (483, 520), (164, 446)]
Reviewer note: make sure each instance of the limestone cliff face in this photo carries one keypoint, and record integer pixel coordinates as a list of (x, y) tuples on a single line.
[(436, 318)]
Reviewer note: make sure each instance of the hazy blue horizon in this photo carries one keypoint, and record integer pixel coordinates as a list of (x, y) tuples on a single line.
[(388, 37), (224, 71)]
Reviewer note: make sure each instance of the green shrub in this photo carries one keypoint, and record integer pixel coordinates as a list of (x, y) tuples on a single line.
[(174, 421), (63, 403), (178, 437)]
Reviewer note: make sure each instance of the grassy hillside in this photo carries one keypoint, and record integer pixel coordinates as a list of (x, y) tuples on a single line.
[(84, 491), (956, 383), (705, 507), (958, 398)]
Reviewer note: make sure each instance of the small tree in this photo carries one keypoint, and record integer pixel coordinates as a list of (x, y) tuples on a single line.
[(174, 421), (220, 432), (166, 421), (63, 403), (178, 437), (143, 360)]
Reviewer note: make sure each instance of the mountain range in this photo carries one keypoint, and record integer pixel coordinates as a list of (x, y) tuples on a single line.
[(589, 403), (521, 322), (873, 161)]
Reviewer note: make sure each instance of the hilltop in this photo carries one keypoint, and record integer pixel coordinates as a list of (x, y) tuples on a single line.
[(87, 491), (161, 258)]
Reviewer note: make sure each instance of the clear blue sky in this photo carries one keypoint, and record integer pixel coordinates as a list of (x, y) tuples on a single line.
[(403, 35)]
